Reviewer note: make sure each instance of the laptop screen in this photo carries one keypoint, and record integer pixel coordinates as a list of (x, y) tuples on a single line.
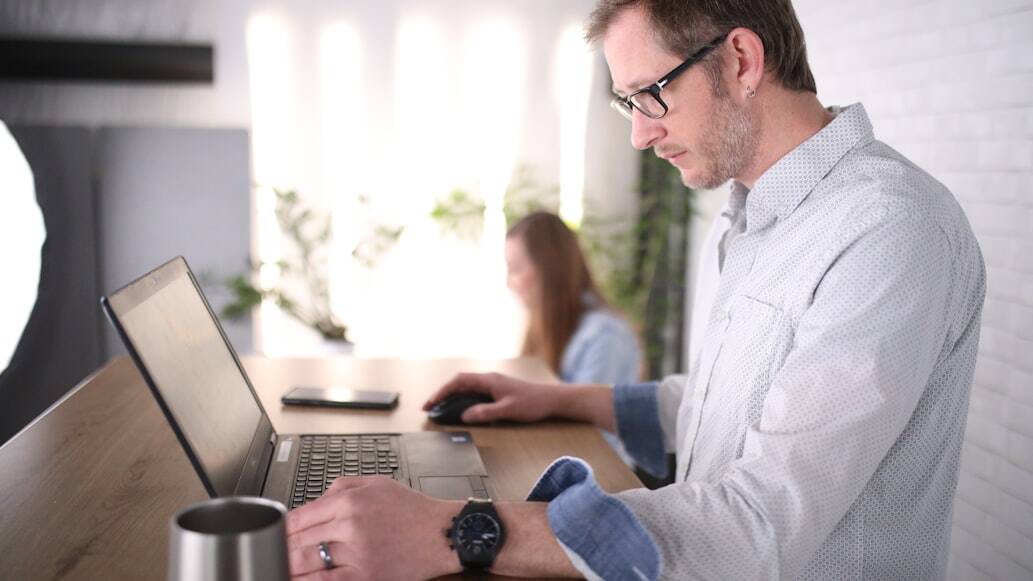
[(180, 344)]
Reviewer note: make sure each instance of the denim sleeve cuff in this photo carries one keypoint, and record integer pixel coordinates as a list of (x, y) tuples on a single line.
[(638, 425), (598, 531)]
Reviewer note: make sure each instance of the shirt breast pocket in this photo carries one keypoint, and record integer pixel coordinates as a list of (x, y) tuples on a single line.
[(755, 344)]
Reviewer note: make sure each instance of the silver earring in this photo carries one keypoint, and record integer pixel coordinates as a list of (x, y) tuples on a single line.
[(750, 92)]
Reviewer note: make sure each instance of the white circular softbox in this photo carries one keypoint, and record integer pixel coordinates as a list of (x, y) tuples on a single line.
[(22, 233)]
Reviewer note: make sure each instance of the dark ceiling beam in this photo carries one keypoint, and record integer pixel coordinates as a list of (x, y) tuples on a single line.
[(38, 59)]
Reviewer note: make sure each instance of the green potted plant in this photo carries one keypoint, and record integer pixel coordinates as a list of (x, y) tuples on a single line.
[(302, 288)]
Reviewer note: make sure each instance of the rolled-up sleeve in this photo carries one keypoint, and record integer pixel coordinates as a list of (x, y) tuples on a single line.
[(599, 533), (638, 425), (647, 419)]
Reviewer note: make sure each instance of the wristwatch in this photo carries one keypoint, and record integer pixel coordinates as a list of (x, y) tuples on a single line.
[(477, 535)]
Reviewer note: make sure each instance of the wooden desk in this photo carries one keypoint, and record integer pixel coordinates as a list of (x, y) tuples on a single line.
[(87, 490)]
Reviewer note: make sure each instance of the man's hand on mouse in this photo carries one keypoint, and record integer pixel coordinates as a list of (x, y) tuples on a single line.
[(515, 399)]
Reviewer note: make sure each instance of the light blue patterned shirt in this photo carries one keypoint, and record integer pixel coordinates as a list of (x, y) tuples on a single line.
[(819, 430), (603, 349)]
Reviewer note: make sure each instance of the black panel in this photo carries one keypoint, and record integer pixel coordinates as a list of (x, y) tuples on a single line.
[(60, 345), (65, 60)]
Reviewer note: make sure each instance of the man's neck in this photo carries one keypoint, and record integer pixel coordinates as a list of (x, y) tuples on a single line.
[(787, 119)]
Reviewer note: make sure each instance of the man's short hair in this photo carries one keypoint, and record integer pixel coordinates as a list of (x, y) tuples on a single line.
[(683, 26)]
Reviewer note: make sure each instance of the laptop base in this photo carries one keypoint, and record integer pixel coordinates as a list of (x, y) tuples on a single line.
[(444, 465)]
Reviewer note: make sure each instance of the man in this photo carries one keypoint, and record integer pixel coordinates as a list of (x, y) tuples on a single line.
[(819, 429)]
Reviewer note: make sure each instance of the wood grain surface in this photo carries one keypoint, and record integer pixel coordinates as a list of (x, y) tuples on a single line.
[(87, 490)]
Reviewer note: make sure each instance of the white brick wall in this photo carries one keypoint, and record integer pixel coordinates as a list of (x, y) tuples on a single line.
[(949, 83)]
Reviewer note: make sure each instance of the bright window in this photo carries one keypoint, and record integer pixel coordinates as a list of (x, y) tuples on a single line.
[(375, 117)]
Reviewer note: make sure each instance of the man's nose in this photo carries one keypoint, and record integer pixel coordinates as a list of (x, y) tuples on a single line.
[(645, 132)]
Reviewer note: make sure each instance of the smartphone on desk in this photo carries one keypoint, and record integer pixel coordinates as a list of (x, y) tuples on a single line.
[(341, 397)]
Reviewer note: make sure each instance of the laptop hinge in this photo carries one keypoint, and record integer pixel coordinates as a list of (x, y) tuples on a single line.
[(256, 465), (267, 461)]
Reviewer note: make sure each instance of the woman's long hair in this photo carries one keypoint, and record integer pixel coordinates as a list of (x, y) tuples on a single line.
[(567, 289)]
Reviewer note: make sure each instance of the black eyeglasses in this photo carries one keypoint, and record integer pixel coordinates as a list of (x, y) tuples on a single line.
[(648, 100)]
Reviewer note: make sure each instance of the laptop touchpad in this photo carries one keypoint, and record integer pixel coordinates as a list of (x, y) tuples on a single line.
[(447, 487)]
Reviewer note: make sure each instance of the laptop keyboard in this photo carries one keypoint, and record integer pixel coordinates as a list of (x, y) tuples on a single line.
[(327, 458)]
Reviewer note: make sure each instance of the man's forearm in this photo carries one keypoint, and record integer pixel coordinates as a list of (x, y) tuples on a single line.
[(587, 403), (530, 549)]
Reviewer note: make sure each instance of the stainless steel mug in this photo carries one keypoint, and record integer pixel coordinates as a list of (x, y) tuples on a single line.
[(229, 539)]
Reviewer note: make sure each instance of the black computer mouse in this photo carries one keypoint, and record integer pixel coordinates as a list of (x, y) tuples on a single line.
[(449, 411)]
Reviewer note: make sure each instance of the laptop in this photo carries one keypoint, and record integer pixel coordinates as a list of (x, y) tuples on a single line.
[(181, 350)]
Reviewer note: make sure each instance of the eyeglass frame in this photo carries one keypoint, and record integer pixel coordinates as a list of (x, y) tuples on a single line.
[(626, 107)]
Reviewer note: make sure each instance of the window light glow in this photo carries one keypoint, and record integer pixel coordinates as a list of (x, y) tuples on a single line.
[(574, 70), (459, 91), (378, 120), (492, 98), (343, 160), (269, 69), (494, 92), (424, 126)]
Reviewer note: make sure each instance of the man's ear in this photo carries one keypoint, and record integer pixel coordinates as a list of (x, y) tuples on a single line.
[(747, 56)]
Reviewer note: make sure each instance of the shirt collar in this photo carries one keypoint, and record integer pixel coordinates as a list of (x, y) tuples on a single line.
[(785, 185), (736, 200)]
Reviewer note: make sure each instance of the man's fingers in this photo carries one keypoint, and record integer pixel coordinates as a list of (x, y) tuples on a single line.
[(486, 412), (342, 573), (306, 559), (309, 515), (440, 394), (461, 382), (349, 483), (312, 536), (326, 507), (325, 575)]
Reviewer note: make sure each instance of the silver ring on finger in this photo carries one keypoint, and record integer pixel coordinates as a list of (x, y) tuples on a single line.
[(324, 554)]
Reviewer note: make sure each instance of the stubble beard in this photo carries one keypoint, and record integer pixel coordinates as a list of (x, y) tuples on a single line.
[(729, 143)]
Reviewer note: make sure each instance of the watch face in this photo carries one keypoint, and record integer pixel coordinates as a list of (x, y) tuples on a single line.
[(478, 533)]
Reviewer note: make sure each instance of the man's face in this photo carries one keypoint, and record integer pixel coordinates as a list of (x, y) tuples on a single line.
[(705, 134)]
